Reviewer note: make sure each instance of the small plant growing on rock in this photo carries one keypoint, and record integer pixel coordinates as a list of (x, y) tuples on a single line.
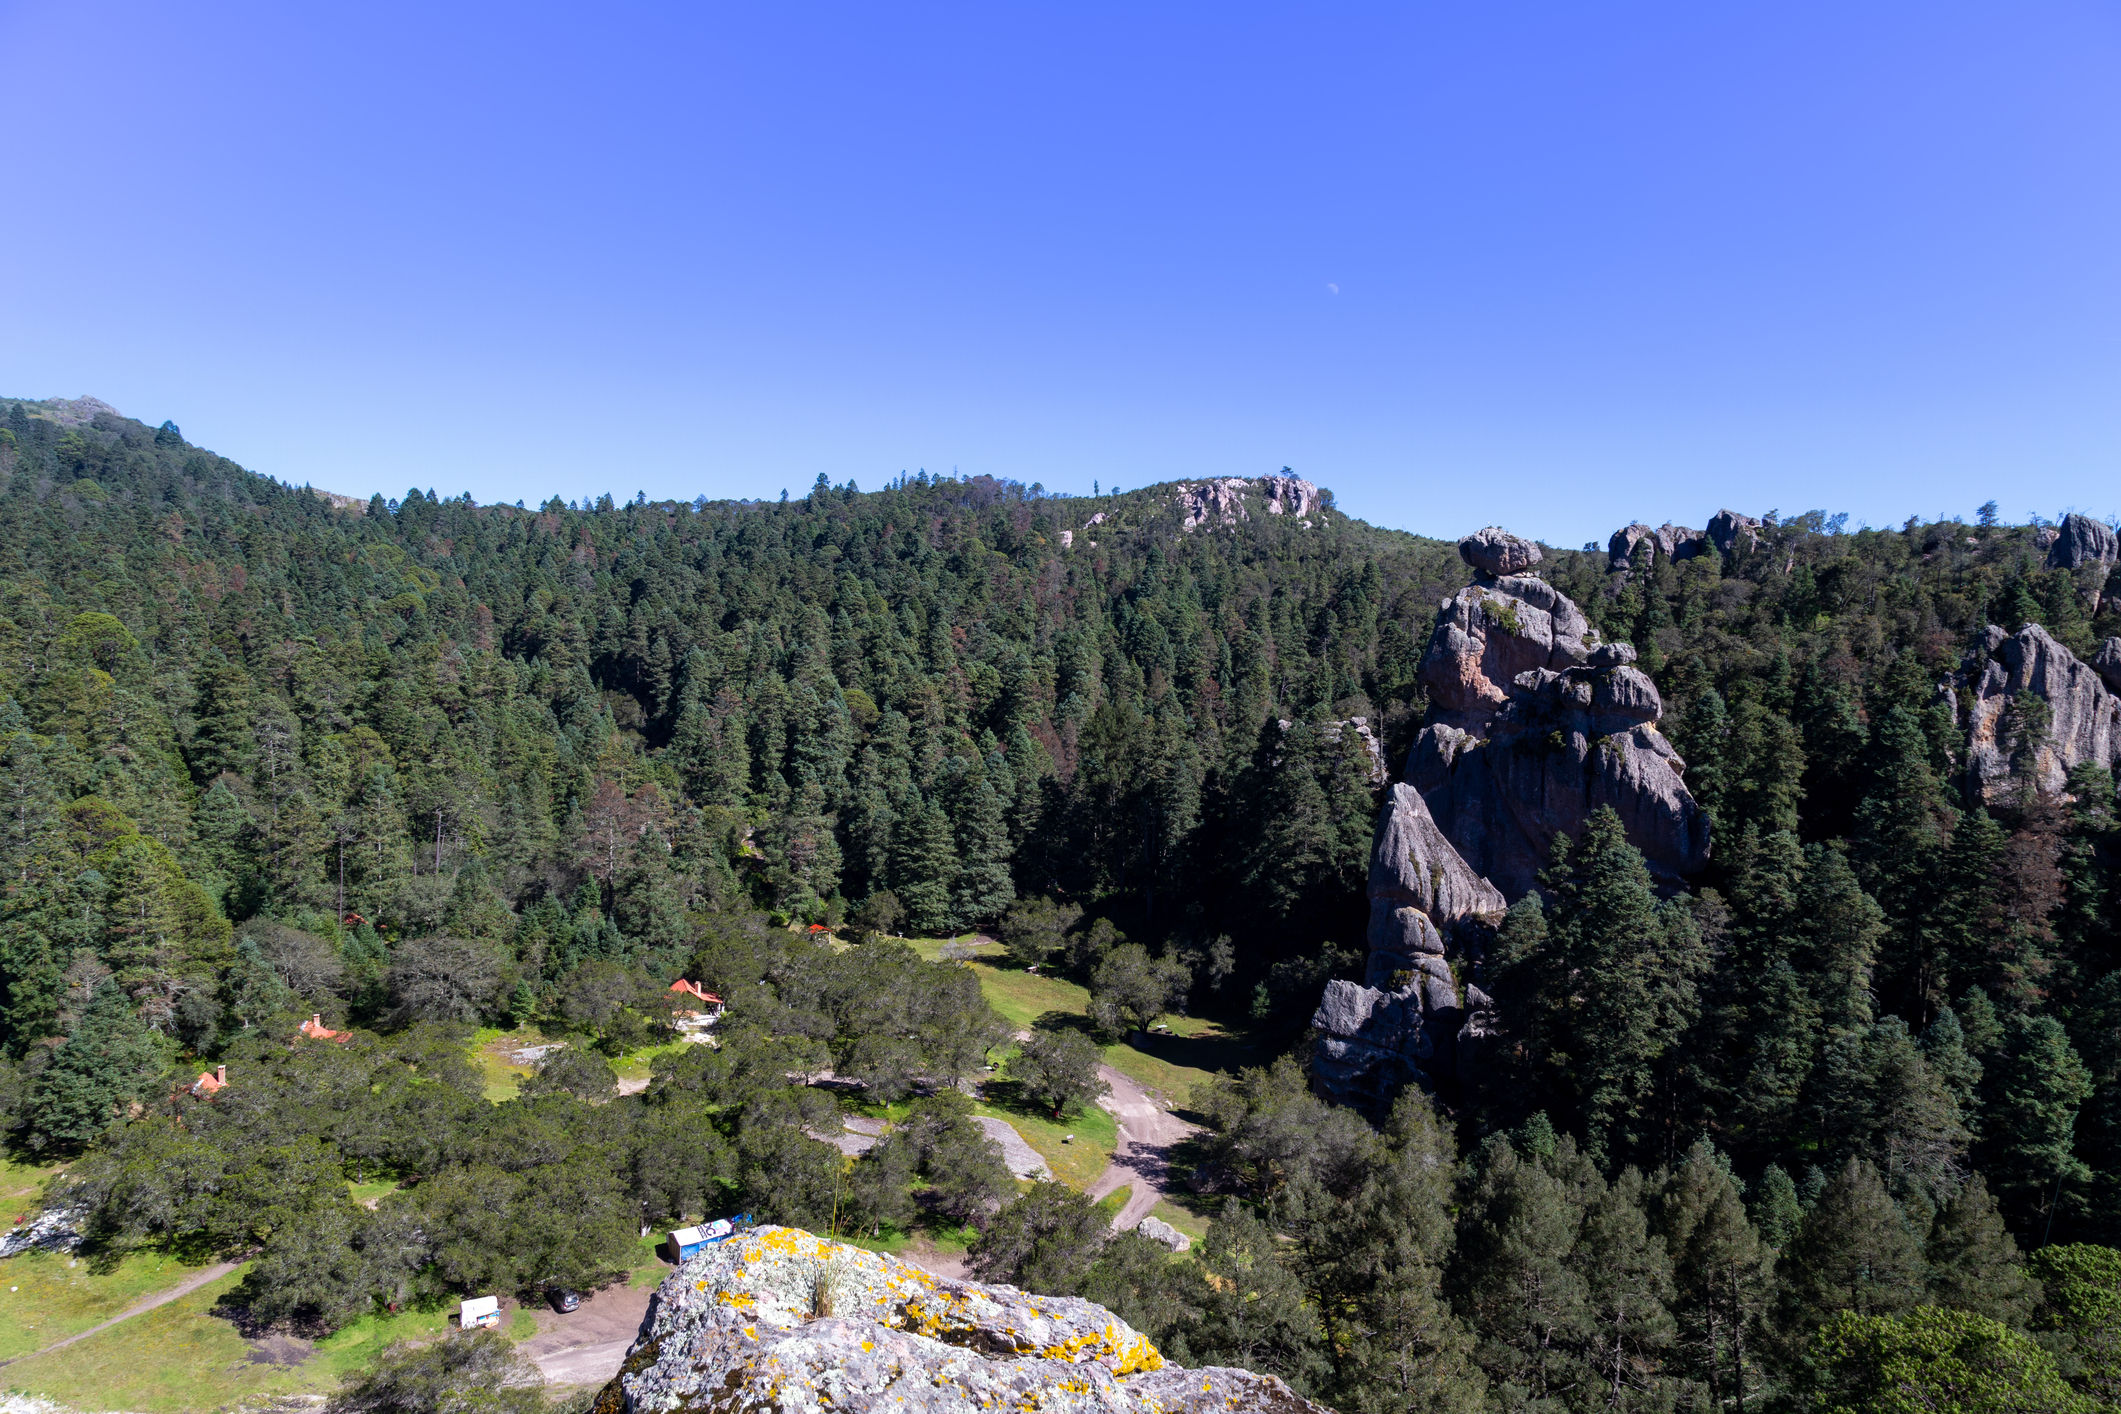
[(829, 1288)]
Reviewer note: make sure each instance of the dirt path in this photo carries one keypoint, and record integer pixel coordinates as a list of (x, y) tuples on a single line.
[(1142, 1156), (585, 1346), (161, 1298)]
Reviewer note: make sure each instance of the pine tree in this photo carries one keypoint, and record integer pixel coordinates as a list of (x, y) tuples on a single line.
[(1853, 1252), (1722, 1274), (109, 1059), (982, 888), (923, 864), (2030, 1110), (1527, 1303), (1973, 1263)]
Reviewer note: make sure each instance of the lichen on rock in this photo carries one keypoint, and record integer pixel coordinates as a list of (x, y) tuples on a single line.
[(778, 1319)]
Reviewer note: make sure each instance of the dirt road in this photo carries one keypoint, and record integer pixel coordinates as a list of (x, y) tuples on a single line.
[(1143, 1155), (161, 1298), (585, 1346)]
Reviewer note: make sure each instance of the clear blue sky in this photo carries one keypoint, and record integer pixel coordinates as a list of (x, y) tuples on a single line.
[(1558, 266)]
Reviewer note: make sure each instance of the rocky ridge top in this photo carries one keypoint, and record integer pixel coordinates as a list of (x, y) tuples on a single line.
[(778, 1319)]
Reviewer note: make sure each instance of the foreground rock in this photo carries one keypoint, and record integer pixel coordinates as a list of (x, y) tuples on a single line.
[(2009, 749), (776, 1319)]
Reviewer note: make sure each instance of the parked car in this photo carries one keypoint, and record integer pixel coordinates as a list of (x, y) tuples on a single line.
[(565, 1301)]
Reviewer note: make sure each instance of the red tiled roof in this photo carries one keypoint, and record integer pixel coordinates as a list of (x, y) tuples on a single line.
[(208, 1082), (316, 1030)]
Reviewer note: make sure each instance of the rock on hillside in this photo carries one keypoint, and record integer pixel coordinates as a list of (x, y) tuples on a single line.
[(1533, 724), (777, 1319), (1673, 542), (2006, 748), (2080, 540), (1223, 501)]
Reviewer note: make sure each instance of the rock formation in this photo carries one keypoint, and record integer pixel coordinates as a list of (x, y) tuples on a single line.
[(1494, 551), (1727, 528), (1533, 724), (1674, 542), (2080, 540), (2008, 747), (1223, 501), (776, 1319)]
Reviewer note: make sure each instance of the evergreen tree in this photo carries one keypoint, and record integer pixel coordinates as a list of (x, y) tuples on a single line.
[(108, 1061)]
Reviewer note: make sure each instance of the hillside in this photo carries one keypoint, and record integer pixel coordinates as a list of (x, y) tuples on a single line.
[(1816, 1022)]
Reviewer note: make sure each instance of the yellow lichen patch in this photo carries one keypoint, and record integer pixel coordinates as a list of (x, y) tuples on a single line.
[(868, 1345), (734, 1298)]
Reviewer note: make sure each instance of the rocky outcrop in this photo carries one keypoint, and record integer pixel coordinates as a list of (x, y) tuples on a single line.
[(1674, 542), (1729, 532), (1379, 772), (776, 1319), (2080, 540), (1223, 501), (1494, 551), (2013, 744), (1534, 723), (53, 1230), (2107, 664)]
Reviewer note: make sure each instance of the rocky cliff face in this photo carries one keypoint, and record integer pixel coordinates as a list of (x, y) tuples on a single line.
[(1223, 501), (2011, 744), (1673, 542), (777, 1319), (1534, 723)]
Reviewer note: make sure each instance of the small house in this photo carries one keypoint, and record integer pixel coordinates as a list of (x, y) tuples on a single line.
[(210, 1083), (479, 1311), (316, 1030), (685, 1243), (692, 1022)]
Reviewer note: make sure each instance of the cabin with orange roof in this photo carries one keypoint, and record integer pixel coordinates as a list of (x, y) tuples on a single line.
[(692, 1023), (210, 1083), (316, 1030)]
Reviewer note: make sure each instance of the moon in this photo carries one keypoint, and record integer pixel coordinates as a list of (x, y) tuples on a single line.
[(1332, 289)]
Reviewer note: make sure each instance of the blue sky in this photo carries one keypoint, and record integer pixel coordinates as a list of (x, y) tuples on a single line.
[(1557, 266)]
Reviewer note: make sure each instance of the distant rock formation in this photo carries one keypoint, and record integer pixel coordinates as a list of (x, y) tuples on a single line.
[(2080, 540), (1728, 528), (1674, 542), (1223, 501), (776, 1319), (1533, 724), (2009, 748)]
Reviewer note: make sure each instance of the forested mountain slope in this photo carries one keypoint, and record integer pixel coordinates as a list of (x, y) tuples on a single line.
[(420, 763)]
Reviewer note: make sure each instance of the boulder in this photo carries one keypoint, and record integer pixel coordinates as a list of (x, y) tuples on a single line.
[(1157, 1230), (2080, 540), (1494, 551), (1487, 634), (2005, 750), (776, 1319), (1727, 529)]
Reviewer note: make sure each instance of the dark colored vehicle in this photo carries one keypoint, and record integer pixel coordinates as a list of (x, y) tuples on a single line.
[(565, 1301)]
